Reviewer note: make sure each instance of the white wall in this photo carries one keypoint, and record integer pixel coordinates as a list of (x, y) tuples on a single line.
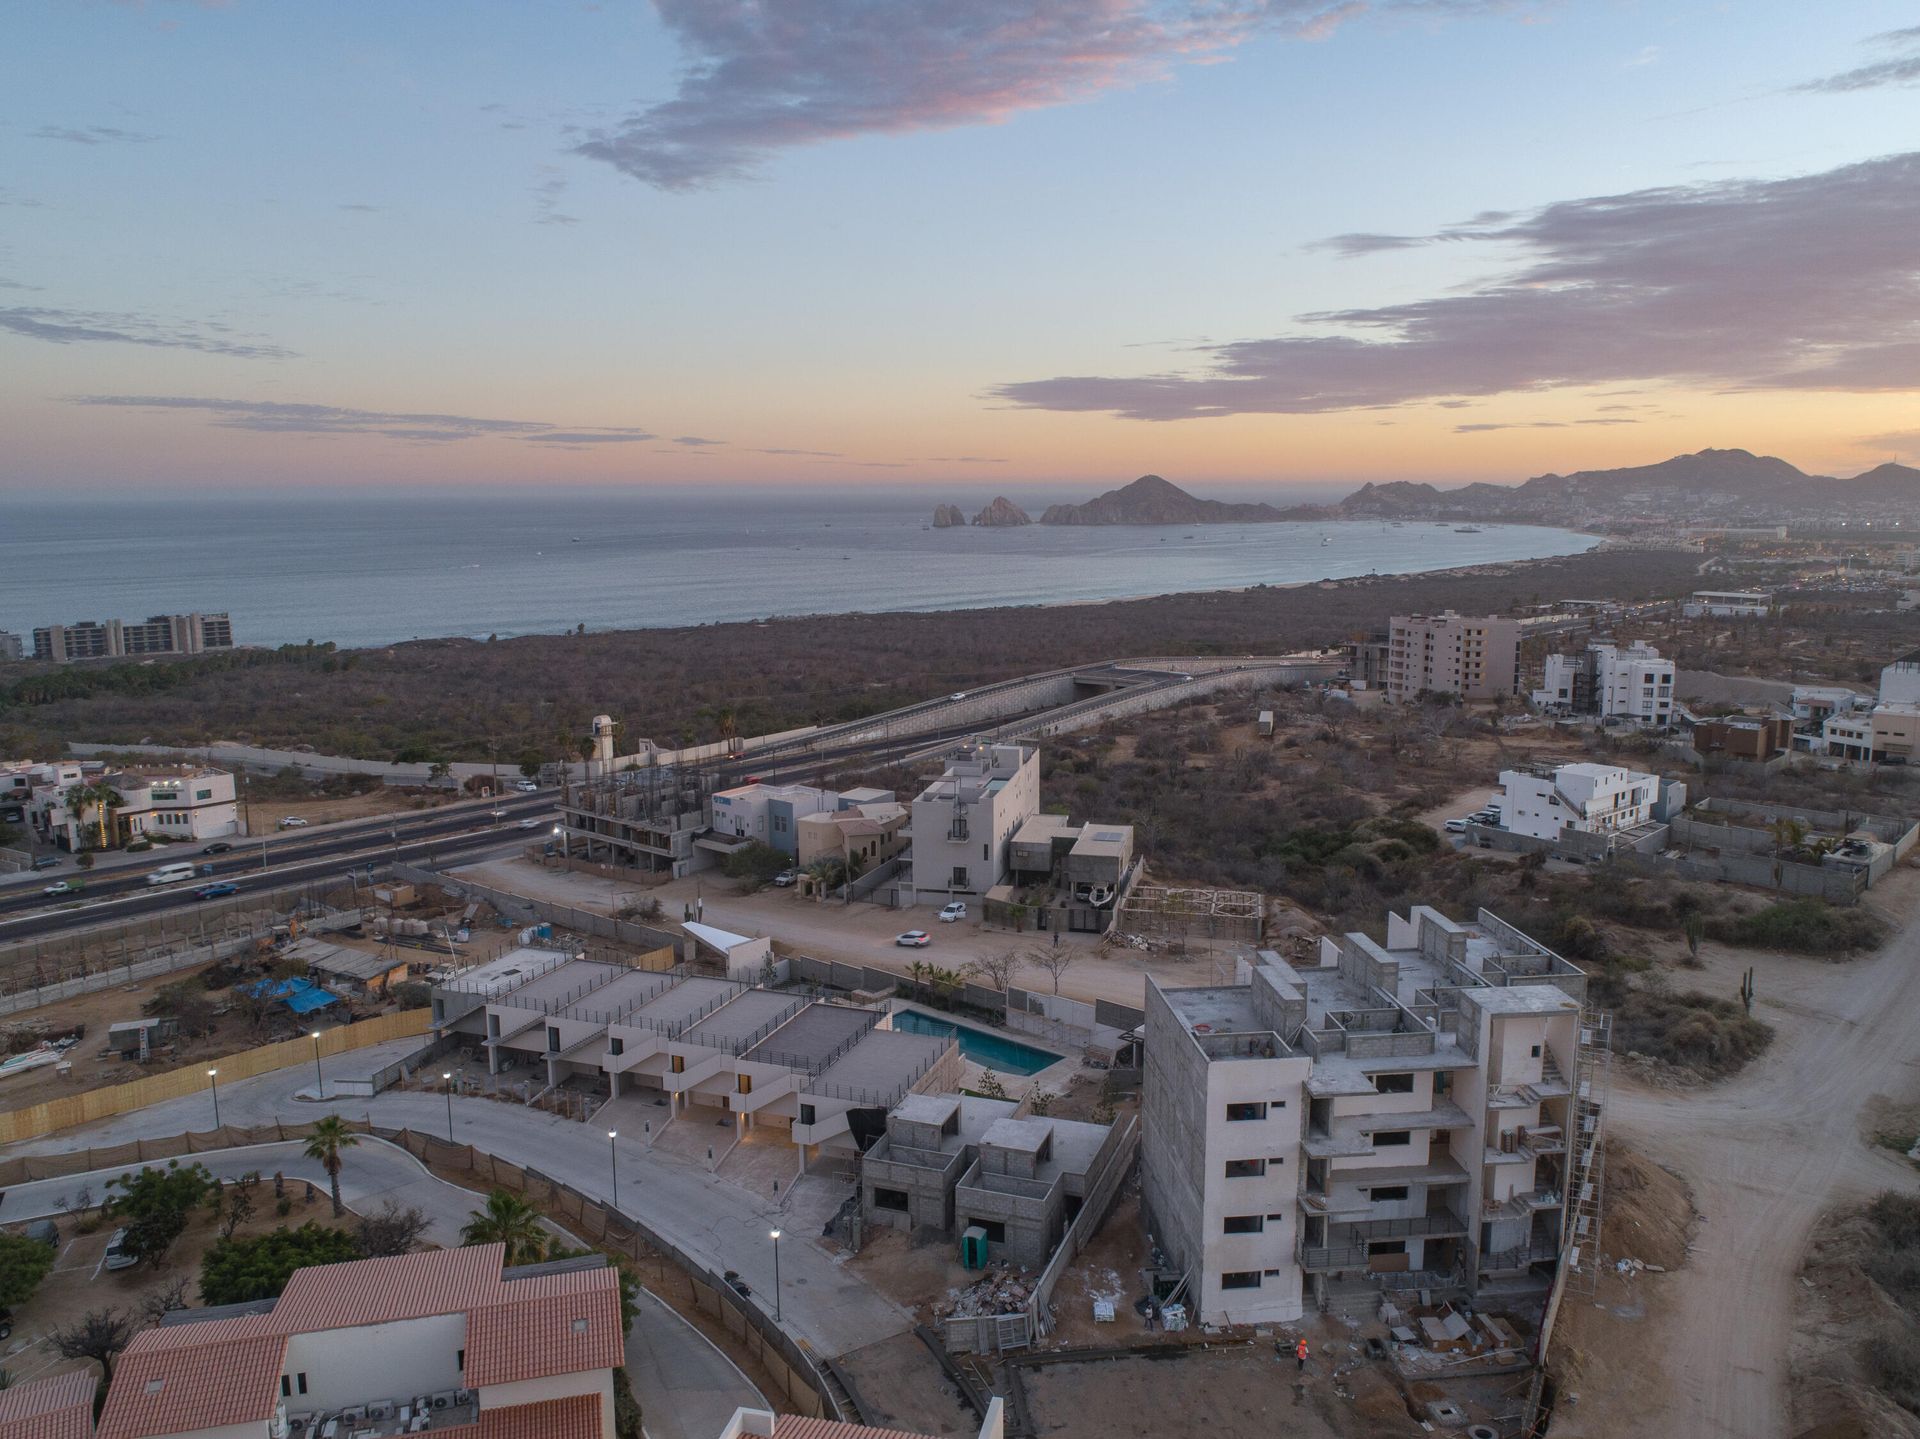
[(345, 1367), (1277, 1082)]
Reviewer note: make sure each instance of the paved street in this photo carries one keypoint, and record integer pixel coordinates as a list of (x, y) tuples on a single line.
[(719, 1224), (686, 1387)]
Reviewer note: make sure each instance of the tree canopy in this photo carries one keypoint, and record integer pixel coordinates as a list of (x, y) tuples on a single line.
[(237, 1271), (153, 1205)]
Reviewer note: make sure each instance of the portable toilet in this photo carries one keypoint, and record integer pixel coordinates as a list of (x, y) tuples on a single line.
[(973, 1248)]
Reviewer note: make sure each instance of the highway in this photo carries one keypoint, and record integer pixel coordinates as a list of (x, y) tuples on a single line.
[(125, 894)]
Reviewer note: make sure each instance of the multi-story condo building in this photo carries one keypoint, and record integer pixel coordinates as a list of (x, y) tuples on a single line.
[(189, 634), (1817, 702), (964, 822), (447, 1343), (1407, 1114), (12, 647), (1632, 683), (1589, 798), (1474, 657)]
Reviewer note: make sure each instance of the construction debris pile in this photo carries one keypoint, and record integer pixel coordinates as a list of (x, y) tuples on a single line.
[(1004, 1290), (1446, 1336)]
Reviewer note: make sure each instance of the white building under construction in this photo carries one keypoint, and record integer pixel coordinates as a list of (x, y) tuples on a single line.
[(1414, 1114)]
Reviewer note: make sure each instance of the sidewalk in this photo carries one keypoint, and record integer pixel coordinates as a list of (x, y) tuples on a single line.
[(687, 1388), (718, 1224)]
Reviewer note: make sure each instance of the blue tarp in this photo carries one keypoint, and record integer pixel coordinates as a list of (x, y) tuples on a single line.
[(302, 996)]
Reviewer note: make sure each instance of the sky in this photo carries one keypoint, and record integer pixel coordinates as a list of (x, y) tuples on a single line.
[(962, 245)]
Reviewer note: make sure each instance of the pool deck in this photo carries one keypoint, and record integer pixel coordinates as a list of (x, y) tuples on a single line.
[(1054, 1076)]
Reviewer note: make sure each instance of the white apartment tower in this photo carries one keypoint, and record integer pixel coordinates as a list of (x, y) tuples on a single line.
[(964, 821), (1632, 683), (1406, 1115)]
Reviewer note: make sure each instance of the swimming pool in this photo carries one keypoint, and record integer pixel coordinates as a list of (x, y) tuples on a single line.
[(982, 1046)]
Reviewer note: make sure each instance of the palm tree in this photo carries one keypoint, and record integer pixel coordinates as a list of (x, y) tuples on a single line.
[(507, 1219), (329, 1137), (100, 797)]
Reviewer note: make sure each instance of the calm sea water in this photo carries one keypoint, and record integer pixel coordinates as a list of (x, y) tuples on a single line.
[(364, 570)]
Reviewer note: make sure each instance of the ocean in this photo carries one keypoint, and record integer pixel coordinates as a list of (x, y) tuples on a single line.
[(374, 569)]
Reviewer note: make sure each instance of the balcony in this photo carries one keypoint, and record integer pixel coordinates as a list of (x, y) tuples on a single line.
[(1346, 1245), (1527, 1145), (1520, 1206)]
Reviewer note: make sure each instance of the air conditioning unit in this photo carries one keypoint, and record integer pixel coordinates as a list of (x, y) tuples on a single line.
[(353, 1415), (380, 1409), (444, 1399)]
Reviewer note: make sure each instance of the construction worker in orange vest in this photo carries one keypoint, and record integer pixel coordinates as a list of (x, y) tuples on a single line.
[(1300, 1353)]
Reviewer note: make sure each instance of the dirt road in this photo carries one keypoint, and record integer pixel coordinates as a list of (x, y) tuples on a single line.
[(1766, 1154), (863, 933)]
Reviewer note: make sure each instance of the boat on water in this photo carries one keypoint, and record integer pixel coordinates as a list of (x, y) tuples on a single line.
[(1466, 529)]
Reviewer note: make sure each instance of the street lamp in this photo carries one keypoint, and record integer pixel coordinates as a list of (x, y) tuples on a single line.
[(774, 1235), (613, 1158), (319, 1078), (566, 853), (213, 1078), (447, 1077)]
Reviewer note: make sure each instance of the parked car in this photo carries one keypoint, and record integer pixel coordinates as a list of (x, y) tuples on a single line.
[(955, 911), (525, 786), (293, 822), (785, 878), (913, 939), (63, 886), (216, 891), (47, 861), (219, 846), (117, 1256), (1456, 826)]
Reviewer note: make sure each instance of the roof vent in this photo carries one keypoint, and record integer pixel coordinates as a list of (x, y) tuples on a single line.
[(154, 1386), (579, 1326)]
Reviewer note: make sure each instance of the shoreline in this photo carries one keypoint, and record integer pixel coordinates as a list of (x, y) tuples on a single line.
[(1602, 544)]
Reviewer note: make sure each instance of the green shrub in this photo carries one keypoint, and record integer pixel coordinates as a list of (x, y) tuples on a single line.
[(1713, 1037), (1802, 926), (237, 1271)]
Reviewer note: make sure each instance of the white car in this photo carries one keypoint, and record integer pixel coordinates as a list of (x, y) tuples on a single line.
[(954, 911), (63, 887), (913, 939), (525, 786), (1456, 826), (528, 824), (786, 879), (293, 822)]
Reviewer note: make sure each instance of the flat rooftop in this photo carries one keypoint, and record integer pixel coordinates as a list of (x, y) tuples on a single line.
[(808, 1039), (687, 1001), (743, 1018), (1216, 1009), (632, 988), (504, 972), (1105, 841), (882, 1062), (566, 984)]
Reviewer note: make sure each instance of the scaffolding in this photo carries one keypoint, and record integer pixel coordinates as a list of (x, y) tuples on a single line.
[(1161, 911)]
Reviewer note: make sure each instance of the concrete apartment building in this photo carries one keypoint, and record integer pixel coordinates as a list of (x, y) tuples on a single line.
[(447, 1343), (181, 802), (1886, 731), (1474, 657), (765, 1058), (190, 634), (1743, 737), (1588, 798), (964, 822), (1633, 683), (953, 1162), (1398, 1114), (1817, 702), (862, 835), (12, 646)]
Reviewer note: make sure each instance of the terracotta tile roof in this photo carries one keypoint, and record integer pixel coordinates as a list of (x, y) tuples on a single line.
[(575, 1417), (218, 1372), (575, 1327), (171, 1388), (795, 1426), (381, 1291), (56, 1408)]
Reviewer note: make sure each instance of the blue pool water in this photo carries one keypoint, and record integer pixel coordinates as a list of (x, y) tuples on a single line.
[(983, 1047)]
